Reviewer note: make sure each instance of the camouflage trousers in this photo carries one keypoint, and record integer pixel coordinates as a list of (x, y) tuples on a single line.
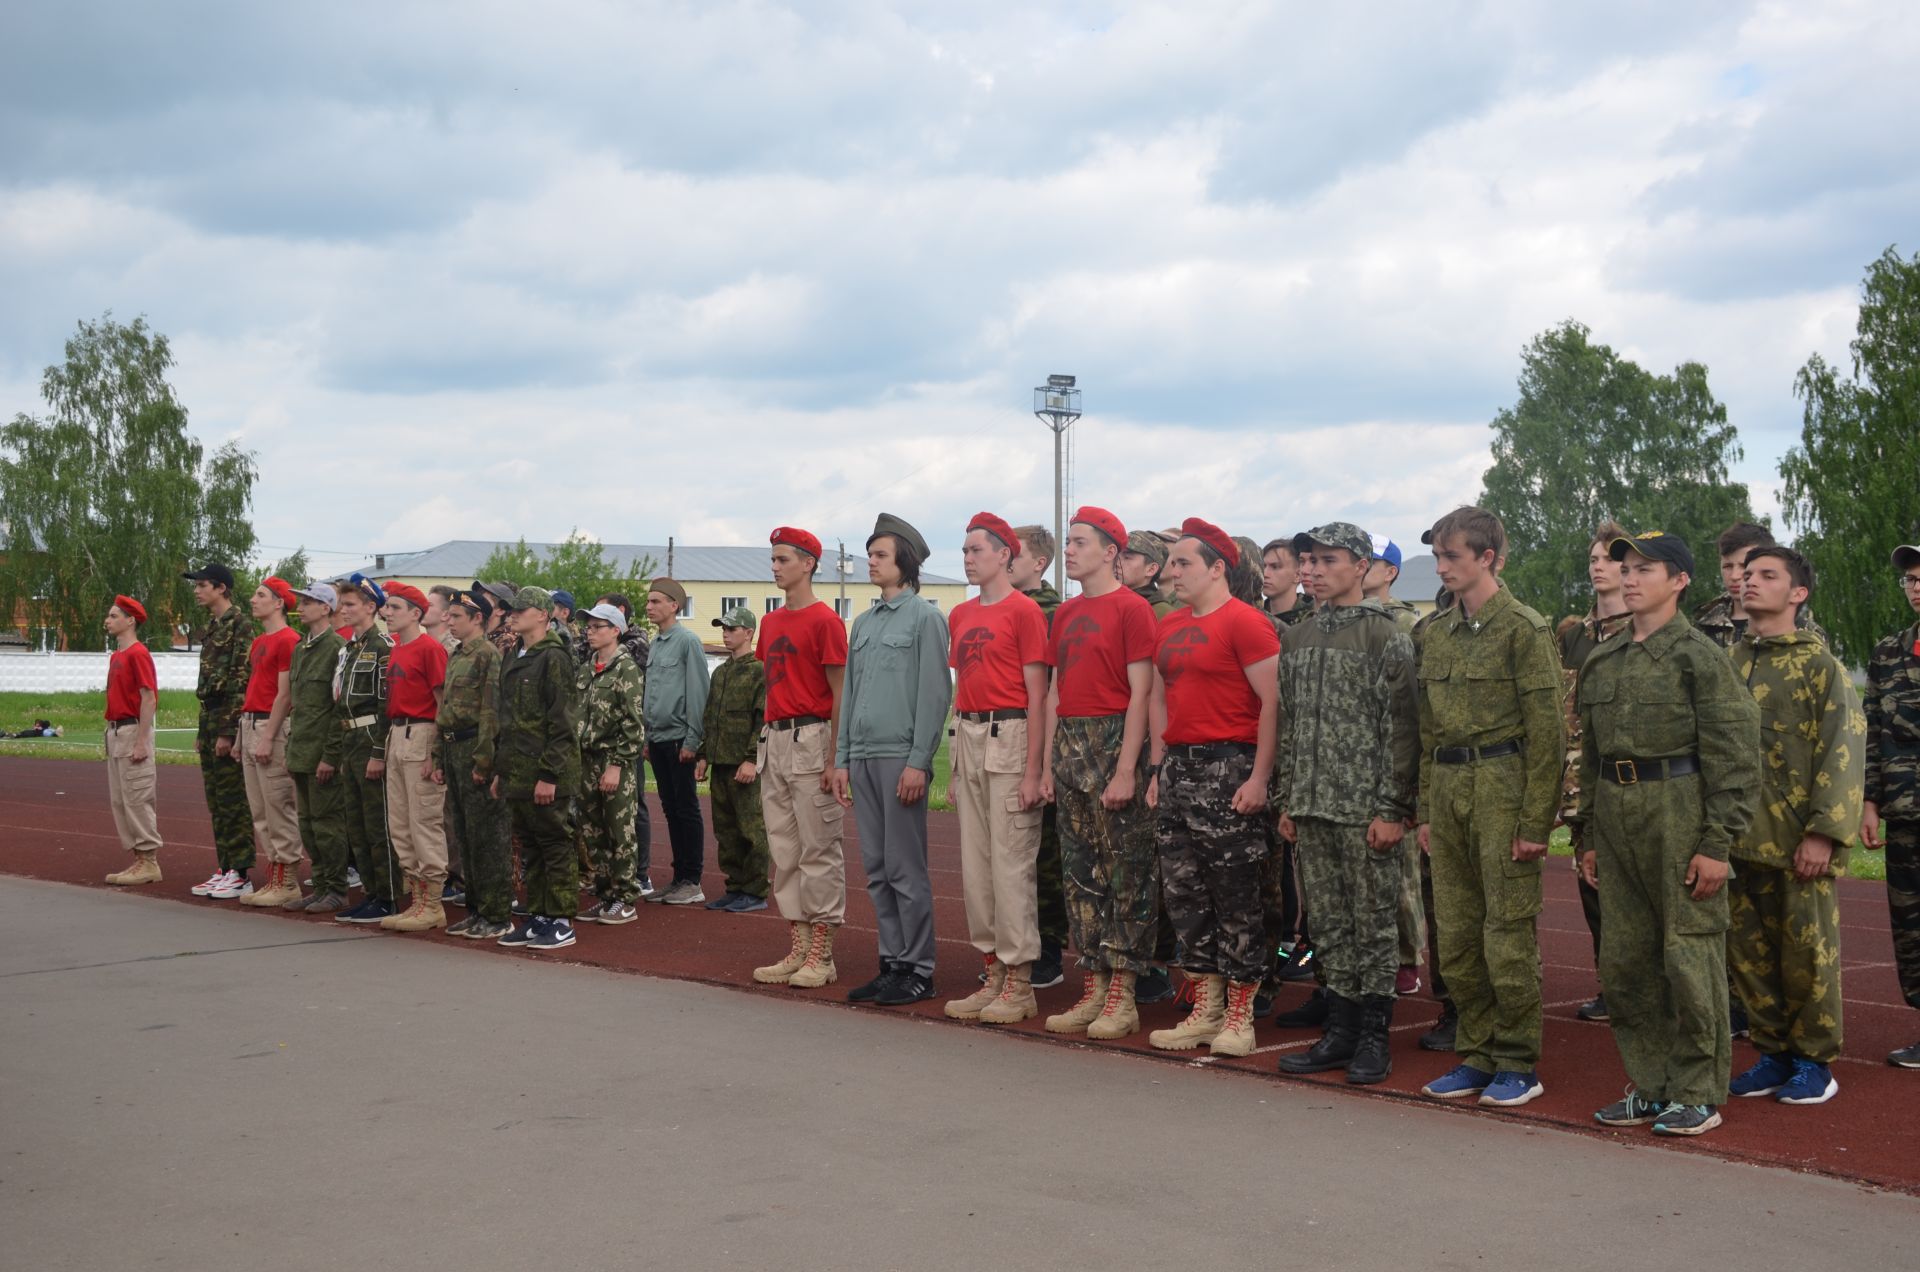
[(1110, 861), (1903, 903), (549, 861), (1212, 862), (226, 790), (480, 819), (739, 830), (1050, 883), (1663, 955), (1784, 952), (1352, 892), (321, 809), (1487, 905), (604, 828), (366, 804)]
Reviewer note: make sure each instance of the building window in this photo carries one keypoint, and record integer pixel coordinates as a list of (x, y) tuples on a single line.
[(728, 604), (774, 603), (874, 604), (843, 606), (686, 608)]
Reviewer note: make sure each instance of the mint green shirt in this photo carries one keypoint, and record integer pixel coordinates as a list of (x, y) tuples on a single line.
[(897, 685)]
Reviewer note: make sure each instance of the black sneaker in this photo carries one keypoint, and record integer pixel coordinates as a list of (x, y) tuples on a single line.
[(487, 930), (872, 989), (724, 901), (1445, 1030), (1308, 1015), (1596, 1010), (745, 903), (518, 935), (1635, 1110), (905, 987), (1299, 964), (372, 910), (1737, 1026), (1046, 969), (1262, 1004), (519, 907), (1686, 1119), (1154, 987), (553, 934), (1905, 1057)]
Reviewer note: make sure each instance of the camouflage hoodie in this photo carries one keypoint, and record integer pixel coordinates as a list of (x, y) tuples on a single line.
[(1893, 725), (223, 673), (1349, 719), (538, 737), (1813, 743), (612, 730)]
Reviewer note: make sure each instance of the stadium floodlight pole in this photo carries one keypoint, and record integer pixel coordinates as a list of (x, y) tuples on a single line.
[(1057, 405)]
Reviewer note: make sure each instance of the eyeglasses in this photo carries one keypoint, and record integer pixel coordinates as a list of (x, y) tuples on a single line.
[(1910, 581)]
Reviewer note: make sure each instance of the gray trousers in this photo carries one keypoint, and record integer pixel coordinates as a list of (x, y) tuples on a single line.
[(893, 850)]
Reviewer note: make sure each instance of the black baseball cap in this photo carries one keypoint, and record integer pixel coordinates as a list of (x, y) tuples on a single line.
[(211, 572), (1906, 556), (1655, 545)]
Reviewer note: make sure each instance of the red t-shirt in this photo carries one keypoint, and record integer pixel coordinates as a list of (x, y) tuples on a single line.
[(1094, 639), (990, 647), (1203, 662), (414, 671), (270, 655), (797, 647), (128, 672)]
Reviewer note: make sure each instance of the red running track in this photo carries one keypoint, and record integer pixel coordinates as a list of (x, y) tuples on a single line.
[(55, 824)]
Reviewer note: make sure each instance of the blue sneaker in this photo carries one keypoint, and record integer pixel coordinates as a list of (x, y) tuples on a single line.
[(1768, 1074), (552, 934), (1813, 1083), (1458, 1081), (519, 934), (372, 910), (1509, 1090), (746, 903)]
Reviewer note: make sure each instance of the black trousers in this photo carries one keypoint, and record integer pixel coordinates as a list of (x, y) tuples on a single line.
[(680, 801)]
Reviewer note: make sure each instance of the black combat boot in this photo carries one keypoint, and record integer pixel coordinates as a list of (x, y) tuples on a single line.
[(1371, 1062), (1445, 1029), (1336, 1045), (1308, 1015)]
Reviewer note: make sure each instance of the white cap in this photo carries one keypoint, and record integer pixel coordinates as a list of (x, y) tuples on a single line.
[(609, 614), (321, 592)]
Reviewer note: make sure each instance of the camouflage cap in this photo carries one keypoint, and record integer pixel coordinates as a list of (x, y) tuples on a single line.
[(1147, 544), (1337, 534), (533, 598), (738, 616)]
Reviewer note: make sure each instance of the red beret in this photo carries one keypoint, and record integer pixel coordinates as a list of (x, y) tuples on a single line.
[(132, 608), (1103, 521), (282, 589), (1213, 536), (796, 538), (997, 528), (408, 593)]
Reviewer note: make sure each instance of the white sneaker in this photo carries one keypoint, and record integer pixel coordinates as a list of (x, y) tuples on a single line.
[(353, 877), (219, 879), (234, 887)]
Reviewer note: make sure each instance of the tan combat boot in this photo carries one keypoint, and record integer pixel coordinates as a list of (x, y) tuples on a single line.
[(145, 869), (393, 921), (1015, 1002), (970, 1007), (1076, 1018), (780, 973), (1203, 1023), (1236, 1027), (281, 887), (818, 970), (1118, 1015), (426, 912)]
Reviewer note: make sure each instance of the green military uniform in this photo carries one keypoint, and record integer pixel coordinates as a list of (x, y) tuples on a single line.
[(221, 689), (1716, 622), (362, 707), (1578, 639), (1893, 784), (1490, 681), (735, 714), (539, 742), (313, 739), (1784, 951), (1050, 885), (1672, 696), (468, 728), (1402, 612), (612, 733)]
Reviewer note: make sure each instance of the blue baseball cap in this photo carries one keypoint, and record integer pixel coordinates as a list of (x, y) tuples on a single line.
[(372, 589), (564, 598), (1387, 550)]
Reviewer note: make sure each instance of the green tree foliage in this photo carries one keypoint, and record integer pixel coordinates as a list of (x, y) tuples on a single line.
[(578, 565), (1853, 484), (107, 492), (1594, 436)]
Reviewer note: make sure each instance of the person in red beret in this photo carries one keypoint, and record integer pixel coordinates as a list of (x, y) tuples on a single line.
[(1101, 652), (416, 805), (1215, 685), (803, 645), (263, 746), (133, 690)]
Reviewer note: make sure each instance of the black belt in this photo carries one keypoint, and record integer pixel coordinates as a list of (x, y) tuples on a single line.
[(1631, 772), (1468, 754), (993, 717), (1211, 750), (114, 724), (256, 715), (412, 719), (795, 722), (460, 735)]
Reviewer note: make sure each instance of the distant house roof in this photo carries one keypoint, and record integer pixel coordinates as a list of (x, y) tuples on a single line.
[(460, 558), (1418, 580)]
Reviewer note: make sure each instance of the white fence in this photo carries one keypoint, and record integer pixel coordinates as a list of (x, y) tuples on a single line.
[(79, 673)]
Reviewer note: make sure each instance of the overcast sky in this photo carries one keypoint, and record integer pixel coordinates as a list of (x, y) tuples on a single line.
[(482, 270)]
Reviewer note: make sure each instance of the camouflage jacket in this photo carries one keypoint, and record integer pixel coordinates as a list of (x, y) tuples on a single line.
[(612, 730), (361, 689), (1579, 637), (539, 741), (1402, 612), (1715, 621), (313, 727), (223, 672), (1047, 599), (1672, 695), (1162, 602), (1301, 611), (736, 710), (1893, 725), (1349, 718), (633, 640), (470, 699), (1495, 678), (1813, 739)]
